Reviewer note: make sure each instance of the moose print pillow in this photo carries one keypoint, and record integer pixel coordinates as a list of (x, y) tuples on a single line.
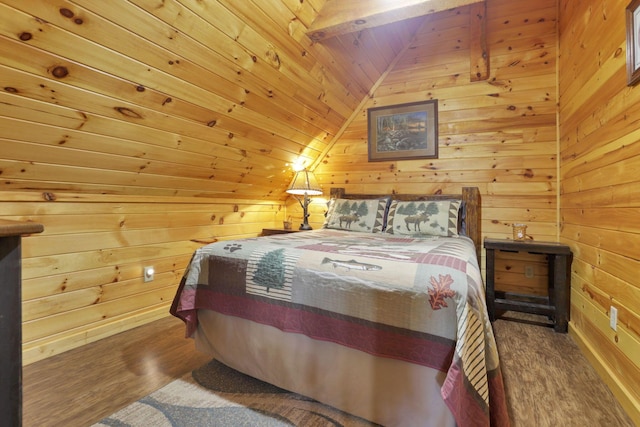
[(363, 215), (423, 218)]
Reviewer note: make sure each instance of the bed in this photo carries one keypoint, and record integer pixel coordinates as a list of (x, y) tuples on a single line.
[(379, 313)]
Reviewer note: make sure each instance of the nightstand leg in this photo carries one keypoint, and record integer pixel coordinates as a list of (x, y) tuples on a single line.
[(561, 292), (490, 291)]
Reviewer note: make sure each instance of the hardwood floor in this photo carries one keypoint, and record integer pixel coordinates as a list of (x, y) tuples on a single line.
[(542, 370), (84, 385), (548, 381)]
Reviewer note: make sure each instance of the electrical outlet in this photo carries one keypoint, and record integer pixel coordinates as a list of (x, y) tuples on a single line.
[(613, 318), (149, 271), (528, 271)]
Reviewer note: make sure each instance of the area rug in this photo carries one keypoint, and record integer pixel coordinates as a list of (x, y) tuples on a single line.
[(216, 395)]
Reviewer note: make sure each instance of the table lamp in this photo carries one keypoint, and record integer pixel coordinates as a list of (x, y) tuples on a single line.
[(304, 184)]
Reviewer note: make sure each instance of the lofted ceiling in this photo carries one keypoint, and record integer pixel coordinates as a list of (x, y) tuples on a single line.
[(338, 17), (185, 97)]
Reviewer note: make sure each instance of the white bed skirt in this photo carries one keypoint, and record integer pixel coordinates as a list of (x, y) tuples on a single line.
[(386, 391)]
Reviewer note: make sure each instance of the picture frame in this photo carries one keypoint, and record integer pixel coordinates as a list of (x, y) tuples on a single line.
[(633, 42), (404, 131)]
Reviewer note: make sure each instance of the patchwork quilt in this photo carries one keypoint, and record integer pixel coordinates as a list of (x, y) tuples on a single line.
[(416, 299)]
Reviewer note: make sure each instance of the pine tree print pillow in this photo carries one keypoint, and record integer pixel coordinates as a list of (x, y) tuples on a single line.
[(423, 218), (362, 215)]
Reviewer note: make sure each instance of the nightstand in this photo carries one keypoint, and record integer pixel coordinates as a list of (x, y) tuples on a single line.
[(556, 304), (271, 231)]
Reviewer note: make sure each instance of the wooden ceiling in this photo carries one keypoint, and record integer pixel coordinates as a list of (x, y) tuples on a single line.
[(342, 17), (184, 97)]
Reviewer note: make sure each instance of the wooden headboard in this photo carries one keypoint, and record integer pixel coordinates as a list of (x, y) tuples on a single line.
[(470, 196)]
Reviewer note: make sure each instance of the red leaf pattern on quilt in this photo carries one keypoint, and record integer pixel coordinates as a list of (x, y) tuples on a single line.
[(440, 289)]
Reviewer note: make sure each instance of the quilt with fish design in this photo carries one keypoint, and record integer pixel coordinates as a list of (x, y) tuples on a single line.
[(420, 300)]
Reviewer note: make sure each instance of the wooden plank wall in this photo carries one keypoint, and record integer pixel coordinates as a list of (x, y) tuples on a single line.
[(82, 277), (121, 119), (129, 128), (600, 197), (124, 91), (499, 134)]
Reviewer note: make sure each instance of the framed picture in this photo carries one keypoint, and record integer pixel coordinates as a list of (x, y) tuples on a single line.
[(405, 131), (633, 42)]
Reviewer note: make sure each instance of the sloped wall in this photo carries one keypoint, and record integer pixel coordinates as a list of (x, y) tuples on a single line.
[(600, 196), (130, 129)]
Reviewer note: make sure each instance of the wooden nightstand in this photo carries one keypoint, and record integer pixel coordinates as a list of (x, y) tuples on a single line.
[(271, 231), (556, 304)]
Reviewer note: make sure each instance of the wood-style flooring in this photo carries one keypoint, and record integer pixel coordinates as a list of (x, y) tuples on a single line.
[(84, 385), (548, 381)]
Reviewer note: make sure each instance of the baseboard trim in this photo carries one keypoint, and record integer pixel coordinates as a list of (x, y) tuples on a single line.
[(621, 393)]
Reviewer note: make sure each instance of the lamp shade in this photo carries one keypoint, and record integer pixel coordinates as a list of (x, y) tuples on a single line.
[(304, 183)]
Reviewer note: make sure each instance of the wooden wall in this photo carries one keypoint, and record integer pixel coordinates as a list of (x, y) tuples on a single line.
[(136, 130), (131, 128), (82, 277), (600, 197), (499, 134)]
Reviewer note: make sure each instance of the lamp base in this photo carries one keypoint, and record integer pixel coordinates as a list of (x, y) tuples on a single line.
[(305, 227)]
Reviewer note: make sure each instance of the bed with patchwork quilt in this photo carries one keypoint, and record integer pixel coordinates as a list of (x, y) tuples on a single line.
[(390, 326)]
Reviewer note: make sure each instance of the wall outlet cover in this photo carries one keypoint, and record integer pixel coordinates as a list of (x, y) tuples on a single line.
[(613, 318), (148, 273)]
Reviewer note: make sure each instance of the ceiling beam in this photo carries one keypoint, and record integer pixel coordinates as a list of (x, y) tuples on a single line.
[(358, 111), (339, 17)]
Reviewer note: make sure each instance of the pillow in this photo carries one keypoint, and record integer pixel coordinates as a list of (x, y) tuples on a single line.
[(462, 219), (423, 218), (363, 215)]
